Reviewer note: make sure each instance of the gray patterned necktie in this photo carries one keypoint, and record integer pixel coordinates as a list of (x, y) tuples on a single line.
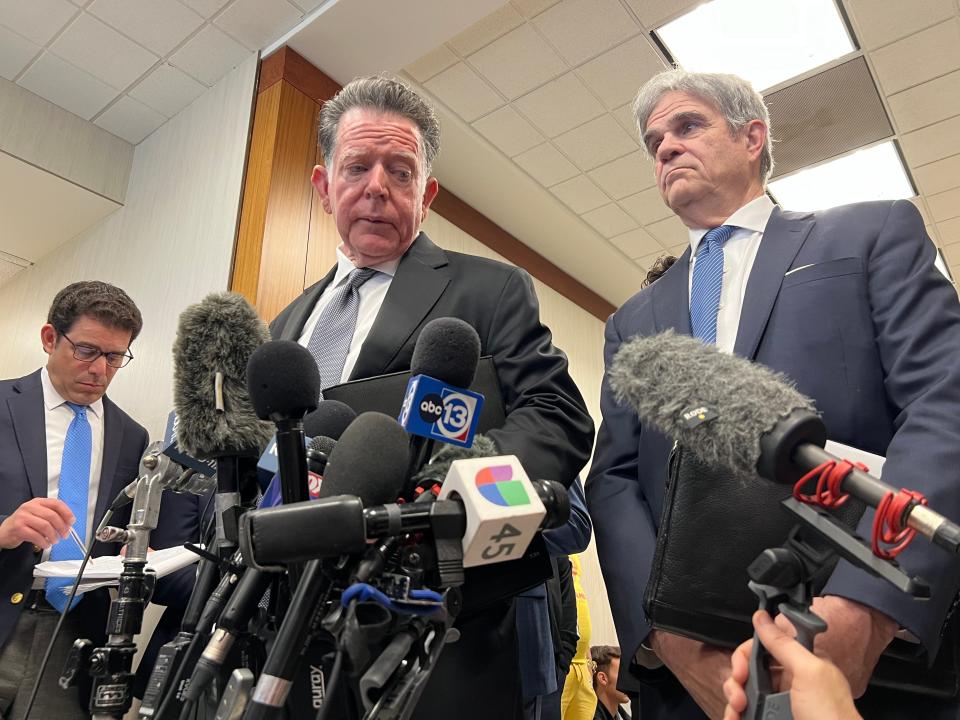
[(331, 338)]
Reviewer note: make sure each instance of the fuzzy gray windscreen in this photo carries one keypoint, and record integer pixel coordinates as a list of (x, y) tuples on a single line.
[(441, 461), (217, 334), (662, 376)]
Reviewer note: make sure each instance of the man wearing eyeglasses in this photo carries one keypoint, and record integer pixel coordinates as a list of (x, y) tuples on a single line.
[(65, 452)]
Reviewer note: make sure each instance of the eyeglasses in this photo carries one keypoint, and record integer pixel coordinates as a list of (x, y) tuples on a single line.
[(87, 353)]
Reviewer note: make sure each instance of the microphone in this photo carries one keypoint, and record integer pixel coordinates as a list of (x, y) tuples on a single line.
[(741, 416), (215, 338), (437, 405), (284, 385), (171, 448), (436, 470)]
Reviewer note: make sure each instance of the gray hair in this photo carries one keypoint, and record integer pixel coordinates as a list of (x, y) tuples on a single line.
[(386, 95), (732, 96)]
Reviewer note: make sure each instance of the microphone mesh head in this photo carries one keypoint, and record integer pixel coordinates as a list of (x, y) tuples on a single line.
[(283, 379), (667, 376), (447, 349), (217, 334), (330, 419), (370, 460)]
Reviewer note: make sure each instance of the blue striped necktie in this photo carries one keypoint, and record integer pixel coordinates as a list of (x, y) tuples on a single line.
[(74, 488), (330, 342), (707, 282)]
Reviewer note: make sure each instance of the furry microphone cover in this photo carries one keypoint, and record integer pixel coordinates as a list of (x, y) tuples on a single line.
[(667, 377), (218, 334)]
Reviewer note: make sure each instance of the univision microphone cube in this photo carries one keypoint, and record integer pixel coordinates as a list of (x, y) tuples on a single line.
[(503, 509), (435, 410)]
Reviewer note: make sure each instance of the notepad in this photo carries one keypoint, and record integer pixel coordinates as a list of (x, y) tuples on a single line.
[(107, 570)]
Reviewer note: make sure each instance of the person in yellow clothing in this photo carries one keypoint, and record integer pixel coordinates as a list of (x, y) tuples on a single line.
[(579, 701)]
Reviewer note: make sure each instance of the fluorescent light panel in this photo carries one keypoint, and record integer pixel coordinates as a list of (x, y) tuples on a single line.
[(875, 173), (763, 41)]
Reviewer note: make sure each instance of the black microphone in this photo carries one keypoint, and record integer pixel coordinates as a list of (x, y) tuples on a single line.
[(742, 416), (368, 462), (284, 385), (215, 418)]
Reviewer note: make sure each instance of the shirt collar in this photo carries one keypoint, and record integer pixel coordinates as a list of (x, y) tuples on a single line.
[(52, 399), (752, 217), (345, 266)]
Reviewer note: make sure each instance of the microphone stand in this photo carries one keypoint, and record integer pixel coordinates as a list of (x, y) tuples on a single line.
[(782, 579)]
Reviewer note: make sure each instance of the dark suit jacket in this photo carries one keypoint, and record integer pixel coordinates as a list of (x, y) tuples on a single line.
[(547, 424), (23, 475), (868, 328)]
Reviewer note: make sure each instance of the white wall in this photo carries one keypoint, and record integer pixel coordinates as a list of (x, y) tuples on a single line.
[(169, 246), (580, 335)]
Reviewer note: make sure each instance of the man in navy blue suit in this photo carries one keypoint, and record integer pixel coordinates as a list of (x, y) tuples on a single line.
[(847, 303)]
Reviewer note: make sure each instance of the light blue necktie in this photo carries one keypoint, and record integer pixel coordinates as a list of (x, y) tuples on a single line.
[(74, 489), (707, 282), (330, 342)]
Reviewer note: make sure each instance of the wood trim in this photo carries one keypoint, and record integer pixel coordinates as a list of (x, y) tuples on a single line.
[(287, 64), (482, 228)]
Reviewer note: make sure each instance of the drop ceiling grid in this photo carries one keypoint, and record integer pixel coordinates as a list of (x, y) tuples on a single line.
[(129, 65)]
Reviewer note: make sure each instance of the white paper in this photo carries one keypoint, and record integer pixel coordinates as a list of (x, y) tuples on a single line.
[(873, 462), (106, 569)]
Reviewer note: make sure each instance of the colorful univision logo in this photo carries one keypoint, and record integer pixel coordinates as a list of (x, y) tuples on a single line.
[(497, 485)]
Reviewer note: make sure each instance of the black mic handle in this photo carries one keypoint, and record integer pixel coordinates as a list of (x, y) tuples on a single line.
[(870, 490), (292, 460), (206, 581)]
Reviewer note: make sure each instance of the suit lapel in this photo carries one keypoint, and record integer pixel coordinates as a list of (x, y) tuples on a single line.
[(112, 443), (784, 235), (26, 410), (671, 304), (419, 281), (293, 328)]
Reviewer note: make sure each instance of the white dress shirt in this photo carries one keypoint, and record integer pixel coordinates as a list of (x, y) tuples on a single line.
[(372, 293), (57, 418), (739, 252)]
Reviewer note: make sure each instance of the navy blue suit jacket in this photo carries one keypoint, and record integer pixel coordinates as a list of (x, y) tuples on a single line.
[(867, 327)]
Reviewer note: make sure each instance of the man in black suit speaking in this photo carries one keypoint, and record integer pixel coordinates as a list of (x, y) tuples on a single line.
[(379, 139)]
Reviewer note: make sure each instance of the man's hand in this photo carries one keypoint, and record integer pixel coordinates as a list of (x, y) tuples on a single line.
[(699, 667), (818, 689), (41, 521), (855, 637)]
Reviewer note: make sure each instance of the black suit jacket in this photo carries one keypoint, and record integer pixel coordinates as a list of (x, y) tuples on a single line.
[(547, 427), (23, 476)]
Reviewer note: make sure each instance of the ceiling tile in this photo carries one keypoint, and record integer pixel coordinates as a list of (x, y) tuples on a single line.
[(654, 13), (932, 143), (209, 55), (918, 58), (625, 176), (670, 232), (206, 8), (921, 205), (430, 64), (486, 30), (582, 29), (103, 52), (560, 105), (579, 194), (945, 205), (36, 20), (950, 237), (307, 5), (938, 176), (624, 116), (130, 120), (159, 25), (15, 53), (531, 8), (508, 131), (646, 207), (546, 165), (609, 220), (462, 90), (928, 103), (167, 90), (616, 76), (933, 234), (71, 88), (596, 142), (518, 62), (257, 23), (638, 243), (883, 21)]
